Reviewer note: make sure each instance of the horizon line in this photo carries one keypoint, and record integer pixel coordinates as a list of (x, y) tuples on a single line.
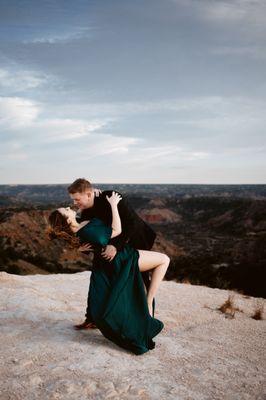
[(129, 183)]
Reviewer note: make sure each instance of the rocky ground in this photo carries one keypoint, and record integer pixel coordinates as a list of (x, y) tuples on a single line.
[(201, 354)]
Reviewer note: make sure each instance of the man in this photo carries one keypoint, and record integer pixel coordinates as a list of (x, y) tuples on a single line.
[(135, 231)]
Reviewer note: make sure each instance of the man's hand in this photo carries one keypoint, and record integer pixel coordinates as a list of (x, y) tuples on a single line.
[(109, 252), (85, 247), (97, 192)]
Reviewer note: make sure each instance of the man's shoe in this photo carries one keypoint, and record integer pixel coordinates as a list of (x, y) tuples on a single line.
[(85, 325)]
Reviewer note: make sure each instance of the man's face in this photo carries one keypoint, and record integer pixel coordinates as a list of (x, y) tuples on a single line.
[(83, 200)]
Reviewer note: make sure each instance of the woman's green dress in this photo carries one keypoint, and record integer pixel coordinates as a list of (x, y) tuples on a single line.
[(117, 297)]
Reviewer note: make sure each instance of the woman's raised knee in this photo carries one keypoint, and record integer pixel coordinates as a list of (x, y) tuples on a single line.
[(166, 259)]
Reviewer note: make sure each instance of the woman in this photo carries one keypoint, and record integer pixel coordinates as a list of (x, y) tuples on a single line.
[(119, 305)]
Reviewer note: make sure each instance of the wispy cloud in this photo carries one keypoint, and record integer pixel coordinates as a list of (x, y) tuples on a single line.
[(157, 154), (28, 127), (235, 11), (201, 111), (229, 11), (12, 150), (126, 108), (61, 130), (257, 52), (25, 117), (20, 80), (64, 36), (107, 145), (245, 16), (17, 113)]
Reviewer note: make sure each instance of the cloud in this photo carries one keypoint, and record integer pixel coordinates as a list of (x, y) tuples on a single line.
[(20, 80), (17, 113), (127, 108), (235, 11), (12, 150), (160, 155), (63, 129), (229, 11), (257, 52), (25, 117), (206, 112), (26, 125), (247, 17), (106, 145), (189, 129), (63, 36)]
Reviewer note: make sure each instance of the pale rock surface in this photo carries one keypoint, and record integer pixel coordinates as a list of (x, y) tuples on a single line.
[(200, 354)]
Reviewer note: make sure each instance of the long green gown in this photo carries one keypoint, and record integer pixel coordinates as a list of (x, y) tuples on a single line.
[(117, 297)]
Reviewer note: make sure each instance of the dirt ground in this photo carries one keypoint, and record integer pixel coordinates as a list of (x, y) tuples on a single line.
[(201, 354)]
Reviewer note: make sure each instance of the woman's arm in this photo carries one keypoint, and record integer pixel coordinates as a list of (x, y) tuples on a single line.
[(116, 221)]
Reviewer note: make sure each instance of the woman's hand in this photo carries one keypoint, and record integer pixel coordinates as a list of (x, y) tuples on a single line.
[(97, 192), (114, 198), (85, 247), (109, 252)]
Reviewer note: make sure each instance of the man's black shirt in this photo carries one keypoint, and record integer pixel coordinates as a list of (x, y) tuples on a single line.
[(135, 231)]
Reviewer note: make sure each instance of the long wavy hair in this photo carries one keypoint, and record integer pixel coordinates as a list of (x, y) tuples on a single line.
[(59, 228)]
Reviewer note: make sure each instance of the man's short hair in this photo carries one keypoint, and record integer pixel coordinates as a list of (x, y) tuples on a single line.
[(80, 185)]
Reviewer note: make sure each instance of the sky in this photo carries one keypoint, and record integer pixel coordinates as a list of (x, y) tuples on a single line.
[(143, 91)]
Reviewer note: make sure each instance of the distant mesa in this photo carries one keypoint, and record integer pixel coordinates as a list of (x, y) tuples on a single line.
[(221, 219), (157, 202), (159, 216), (168, 247)]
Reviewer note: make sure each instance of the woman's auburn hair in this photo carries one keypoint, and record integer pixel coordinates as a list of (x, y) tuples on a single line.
[(59, 228)]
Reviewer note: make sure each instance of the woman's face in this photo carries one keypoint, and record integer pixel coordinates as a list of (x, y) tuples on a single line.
[(68, 212)]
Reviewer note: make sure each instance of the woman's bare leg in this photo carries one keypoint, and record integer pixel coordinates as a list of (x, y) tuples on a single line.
[(158, 262)]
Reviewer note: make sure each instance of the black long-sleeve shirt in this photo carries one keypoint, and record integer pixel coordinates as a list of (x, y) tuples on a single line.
[(135, 231)]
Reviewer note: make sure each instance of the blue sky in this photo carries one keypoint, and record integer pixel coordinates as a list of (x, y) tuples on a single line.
[(143, 91)]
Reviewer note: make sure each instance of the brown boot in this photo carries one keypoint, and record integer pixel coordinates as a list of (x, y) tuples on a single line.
[(86, 325)]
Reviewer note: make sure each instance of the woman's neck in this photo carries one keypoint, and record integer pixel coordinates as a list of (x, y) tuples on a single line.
[(77, 227)]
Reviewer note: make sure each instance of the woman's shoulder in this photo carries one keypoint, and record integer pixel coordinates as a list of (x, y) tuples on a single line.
[(93, 223), (95, 231), (96, 221)]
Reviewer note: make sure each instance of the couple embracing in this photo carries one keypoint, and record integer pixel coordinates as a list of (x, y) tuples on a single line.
[(121, 296)]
